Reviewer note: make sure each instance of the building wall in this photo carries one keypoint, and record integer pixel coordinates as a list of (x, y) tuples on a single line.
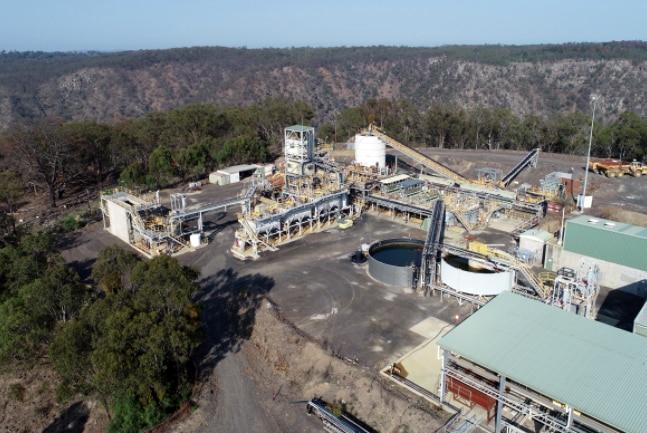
[(119, 221), (613, 275), (534, 245)]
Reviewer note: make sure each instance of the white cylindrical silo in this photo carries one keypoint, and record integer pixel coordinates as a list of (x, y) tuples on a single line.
[(370, 151)]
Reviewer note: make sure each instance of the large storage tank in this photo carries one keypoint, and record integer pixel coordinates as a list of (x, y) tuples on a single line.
[(395, 261), (370, 151)]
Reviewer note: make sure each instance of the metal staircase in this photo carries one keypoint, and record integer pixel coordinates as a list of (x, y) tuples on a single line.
[(532, 279), (463, 220)]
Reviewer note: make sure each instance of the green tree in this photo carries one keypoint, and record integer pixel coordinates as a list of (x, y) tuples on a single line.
[(349, 122), (628, 136), (160, 166), (111, 271), (132, 175), (573, 133), (37, 291), (91, 143), (44, 152), (138, 340), (11, 189), (193, 160)]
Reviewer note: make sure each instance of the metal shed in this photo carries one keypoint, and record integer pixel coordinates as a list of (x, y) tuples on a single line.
[(612, 241), (534, 241), (584, 372)]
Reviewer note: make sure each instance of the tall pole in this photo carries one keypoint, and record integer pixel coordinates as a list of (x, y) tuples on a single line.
[(588, 158)]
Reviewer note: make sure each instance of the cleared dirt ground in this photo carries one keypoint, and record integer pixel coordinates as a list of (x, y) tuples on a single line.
[(263, 359)]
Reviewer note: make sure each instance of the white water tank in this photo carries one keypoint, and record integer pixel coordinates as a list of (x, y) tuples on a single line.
[(194, 240), (370, 151)]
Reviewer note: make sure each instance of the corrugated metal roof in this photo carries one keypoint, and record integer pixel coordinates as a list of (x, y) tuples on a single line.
[(612, 241), (394, 179), (596, 369), (609, 226), (411, 183), (238, 168), (300, 128)]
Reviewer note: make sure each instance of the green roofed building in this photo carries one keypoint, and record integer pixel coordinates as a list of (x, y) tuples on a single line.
[(548, 367), (612, 241), (619, 249)]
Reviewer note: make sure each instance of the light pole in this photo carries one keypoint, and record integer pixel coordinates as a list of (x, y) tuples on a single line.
[(588, 158)]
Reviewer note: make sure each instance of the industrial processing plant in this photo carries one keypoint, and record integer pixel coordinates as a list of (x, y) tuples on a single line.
[(311, 192)]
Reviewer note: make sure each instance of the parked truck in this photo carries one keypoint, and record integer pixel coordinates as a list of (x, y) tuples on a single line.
[(617, 168)]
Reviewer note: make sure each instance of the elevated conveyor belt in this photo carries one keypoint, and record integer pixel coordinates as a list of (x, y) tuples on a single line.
[(417, 156), (333, 423), (463, 220), (432, 244), (530, 159)]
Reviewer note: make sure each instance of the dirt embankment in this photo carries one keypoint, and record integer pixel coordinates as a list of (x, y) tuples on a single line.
[(289, 366)]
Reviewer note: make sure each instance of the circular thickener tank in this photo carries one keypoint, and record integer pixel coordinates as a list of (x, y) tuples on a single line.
[(467, 276), (395, 262), (370, 151)]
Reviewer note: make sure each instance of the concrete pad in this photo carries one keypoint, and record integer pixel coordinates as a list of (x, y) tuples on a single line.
[(423, 363), (430, 327)]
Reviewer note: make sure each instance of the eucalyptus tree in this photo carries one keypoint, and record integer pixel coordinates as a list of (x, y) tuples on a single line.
[(43, 153), (131, 348)]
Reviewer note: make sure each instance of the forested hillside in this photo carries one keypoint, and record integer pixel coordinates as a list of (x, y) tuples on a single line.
[(541, 80), (74, 123)]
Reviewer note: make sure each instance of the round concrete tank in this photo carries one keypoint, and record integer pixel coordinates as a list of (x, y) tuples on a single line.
[(466, 276), (370, 151), (395, 261)]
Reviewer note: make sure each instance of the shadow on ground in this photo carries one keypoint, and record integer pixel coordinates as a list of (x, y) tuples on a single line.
[(619, 309), (71, 421), (229, 303)]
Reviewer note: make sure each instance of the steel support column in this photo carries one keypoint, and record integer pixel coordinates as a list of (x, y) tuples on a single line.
[(499, 405)]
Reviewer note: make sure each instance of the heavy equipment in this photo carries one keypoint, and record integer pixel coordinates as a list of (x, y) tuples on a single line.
[(617, 168)]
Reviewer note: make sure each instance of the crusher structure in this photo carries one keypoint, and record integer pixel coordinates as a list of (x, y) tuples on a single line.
[(309, 198)]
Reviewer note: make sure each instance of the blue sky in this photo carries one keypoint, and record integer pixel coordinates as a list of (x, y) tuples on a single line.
[(80, 25)]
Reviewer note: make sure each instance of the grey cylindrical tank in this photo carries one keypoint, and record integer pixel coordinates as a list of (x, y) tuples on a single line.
[(395, 262)]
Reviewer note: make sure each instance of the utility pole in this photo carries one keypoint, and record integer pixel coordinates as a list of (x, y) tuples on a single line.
[(588, 158)]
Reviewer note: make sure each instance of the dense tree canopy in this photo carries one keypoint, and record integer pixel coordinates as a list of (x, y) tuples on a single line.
[(37, 291), (131, 347), (163, 148), (127, 340)]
